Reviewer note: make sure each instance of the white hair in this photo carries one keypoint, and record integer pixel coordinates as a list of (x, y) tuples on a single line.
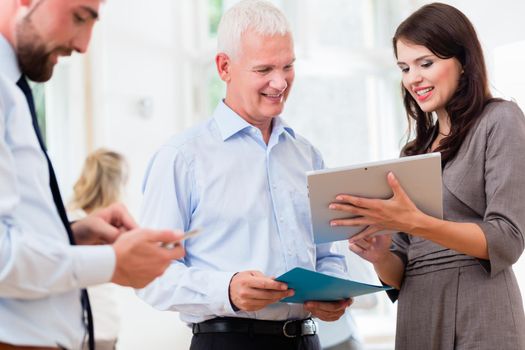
[(258, 15)]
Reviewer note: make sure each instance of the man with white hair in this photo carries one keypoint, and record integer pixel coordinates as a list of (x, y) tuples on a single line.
[(46, 263), (240, 176)]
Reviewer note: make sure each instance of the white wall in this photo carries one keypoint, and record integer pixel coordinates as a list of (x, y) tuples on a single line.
[(134, 60), (509, 71)]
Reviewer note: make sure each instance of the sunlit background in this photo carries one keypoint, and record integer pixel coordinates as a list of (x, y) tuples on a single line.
[(150, 74)]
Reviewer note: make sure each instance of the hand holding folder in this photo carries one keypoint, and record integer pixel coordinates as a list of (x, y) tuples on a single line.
[(310, 285)]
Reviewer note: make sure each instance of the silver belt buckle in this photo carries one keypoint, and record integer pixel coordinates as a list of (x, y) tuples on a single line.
[(285, 332), (308, 327)]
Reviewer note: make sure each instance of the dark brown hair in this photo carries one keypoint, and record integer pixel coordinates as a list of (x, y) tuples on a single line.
[(447, 33)]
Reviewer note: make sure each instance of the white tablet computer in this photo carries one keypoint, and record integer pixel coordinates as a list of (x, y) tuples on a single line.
[(420, 177)]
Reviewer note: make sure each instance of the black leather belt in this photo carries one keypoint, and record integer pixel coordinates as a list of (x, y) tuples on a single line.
[(290, 329)]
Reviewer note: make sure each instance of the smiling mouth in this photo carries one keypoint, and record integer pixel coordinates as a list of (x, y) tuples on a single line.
[(424, 91), (274, 98), (279, 95)]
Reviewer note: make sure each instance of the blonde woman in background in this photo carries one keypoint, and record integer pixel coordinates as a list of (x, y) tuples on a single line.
[(101, 183)]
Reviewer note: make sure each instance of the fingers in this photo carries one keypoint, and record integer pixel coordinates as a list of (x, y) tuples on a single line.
[(367, 233), (362, 216), (125, 217), (152, 238), (356, 249), (256, 273), (256, 304), (373, 248), (162, 236), (140, 258), (266, 283), (265, 295), (177, 252), (94, 230), (107, 232), (252, 290), (367, 203), (348, 208), (246, 301), (257, 280), (328, 311), (394, 185), (329, 306), (359, 202), (358, 221), (117, 215), (361, 246)]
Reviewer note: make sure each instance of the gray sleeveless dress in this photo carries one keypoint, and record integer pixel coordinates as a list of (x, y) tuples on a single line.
[(449, 300)]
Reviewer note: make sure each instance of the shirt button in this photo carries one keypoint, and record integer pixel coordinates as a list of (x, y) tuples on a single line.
[(281, 219)]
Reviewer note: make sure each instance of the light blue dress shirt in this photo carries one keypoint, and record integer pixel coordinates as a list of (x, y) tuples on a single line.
[(40, 273), (251, 201)]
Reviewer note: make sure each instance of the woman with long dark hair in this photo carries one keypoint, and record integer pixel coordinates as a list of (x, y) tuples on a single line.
[(453, 278)]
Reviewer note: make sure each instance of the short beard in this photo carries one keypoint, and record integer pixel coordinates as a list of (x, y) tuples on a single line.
[(33, 57), (34, 62)]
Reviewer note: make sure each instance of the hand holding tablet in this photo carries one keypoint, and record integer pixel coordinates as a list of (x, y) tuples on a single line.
[(419, 176)]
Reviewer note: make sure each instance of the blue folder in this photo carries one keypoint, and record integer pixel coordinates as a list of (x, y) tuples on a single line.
[(310, 285)]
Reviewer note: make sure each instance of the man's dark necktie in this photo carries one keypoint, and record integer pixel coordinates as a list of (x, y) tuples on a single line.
[(86, 307)]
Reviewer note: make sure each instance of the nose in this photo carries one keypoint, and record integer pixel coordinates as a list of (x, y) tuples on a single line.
[(82, 38), (413, 77), (278, 82)]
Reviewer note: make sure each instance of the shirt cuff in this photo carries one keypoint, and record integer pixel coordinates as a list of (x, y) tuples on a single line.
[(222, 290), (93, 265)]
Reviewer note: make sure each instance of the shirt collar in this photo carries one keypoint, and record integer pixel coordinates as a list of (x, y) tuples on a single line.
[(230, 123), (280, 126), (8, 62)]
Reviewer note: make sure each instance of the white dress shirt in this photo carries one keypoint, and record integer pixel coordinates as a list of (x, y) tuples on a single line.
[(251, 201), (40, 273)]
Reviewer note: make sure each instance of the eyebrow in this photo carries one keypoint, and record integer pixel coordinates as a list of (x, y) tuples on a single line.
[(269, 65), (417, 59), (92, 12)]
